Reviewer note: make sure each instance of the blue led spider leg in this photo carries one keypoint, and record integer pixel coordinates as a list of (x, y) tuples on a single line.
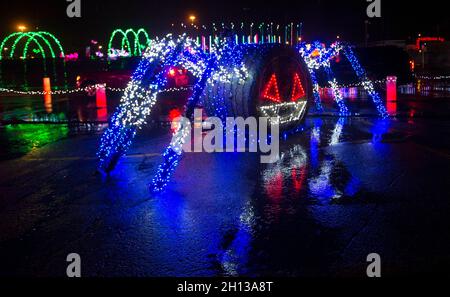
[(366, 82), (316, 93), (343, 110), (173, 152), (117, 139)]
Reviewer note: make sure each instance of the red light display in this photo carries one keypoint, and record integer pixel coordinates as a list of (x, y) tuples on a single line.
[(297, 90), (271, 91), (420, 40)]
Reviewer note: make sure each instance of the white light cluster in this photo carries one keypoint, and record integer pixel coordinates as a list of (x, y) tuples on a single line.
[(336, 90), (180, 136), (82, 90), (297, 110), (316, 55), (224, 75)]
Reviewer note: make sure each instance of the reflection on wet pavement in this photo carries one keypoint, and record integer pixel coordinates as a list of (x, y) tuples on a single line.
[(343, 188)]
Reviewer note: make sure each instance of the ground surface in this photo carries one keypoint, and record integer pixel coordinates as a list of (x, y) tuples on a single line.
[(342, 189)]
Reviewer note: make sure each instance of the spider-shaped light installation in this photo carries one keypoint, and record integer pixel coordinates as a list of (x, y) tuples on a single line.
[(224, 63)]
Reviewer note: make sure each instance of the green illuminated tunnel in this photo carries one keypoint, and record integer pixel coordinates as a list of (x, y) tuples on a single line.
[(48, 46)]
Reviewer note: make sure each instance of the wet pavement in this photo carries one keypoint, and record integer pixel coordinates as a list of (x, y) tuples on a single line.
[(343, 188)]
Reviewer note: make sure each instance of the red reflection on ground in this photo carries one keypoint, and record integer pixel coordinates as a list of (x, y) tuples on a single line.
[(298, 178), (274, 188)]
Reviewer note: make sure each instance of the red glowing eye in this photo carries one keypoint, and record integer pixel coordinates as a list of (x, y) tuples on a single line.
[(271, 90), (297, 90)]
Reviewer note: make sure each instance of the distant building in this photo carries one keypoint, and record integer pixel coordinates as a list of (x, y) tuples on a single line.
[(427, 54)]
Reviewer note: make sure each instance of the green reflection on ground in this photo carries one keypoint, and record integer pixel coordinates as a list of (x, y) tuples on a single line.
[(19, 139)]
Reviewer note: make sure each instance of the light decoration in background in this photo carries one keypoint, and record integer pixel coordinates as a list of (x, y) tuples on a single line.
[(71, 57), (81, 90), (118, 53), (47, 96), (391, 88), (421, 40), (101, 102), (244, 33), (47, 44), (130, 42), (391, 94)]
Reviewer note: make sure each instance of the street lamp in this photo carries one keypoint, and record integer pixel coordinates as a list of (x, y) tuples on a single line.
[(21, 28), (192, 18)]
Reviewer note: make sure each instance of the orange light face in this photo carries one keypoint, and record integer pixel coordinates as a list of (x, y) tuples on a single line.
[(315, 53)]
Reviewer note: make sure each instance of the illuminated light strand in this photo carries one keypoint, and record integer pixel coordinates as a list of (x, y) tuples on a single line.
[(337, 95), (366, 82), (316, 90), (83, 90), (439, 77), (343, 110), (360, 84)]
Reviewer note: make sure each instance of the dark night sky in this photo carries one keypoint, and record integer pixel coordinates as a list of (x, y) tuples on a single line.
[(322, 19)]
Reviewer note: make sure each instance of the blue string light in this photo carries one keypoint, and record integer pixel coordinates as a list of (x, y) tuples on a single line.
[(365, 81)]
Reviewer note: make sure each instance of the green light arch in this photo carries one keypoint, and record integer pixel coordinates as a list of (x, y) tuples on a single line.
[(136, 50), (55, 40), (30, 37)]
